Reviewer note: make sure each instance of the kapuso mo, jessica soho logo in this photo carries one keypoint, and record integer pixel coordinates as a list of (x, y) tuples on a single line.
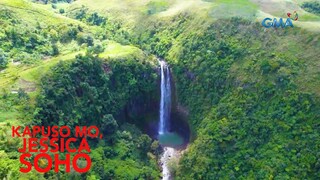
[(279, 22)]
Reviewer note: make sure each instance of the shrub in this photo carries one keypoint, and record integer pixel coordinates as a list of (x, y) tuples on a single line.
[(55, 50), (54, 6), (3, 59), (61, 11)]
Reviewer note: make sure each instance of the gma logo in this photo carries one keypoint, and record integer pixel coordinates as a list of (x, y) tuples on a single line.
[(268, 22)]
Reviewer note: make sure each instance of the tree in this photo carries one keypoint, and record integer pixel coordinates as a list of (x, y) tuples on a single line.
[(22, 94), (155, 148), (96, 49), (3, 59), (54, 6), (61, 11), (85, 38), (109, 124), (144, 143), (55, 49), (313, 7)]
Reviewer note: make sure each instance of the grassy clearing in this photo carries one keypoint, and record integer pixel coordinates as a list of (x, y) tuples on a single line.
[(21, 76), (116, 50), (31, 13), (227, 9), (34, 74), (10, 77), (154, 7)]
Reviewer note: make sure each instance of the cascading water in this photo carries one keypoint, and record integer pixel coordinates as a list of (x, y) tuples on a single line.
[(165, 101), (168, 139), (165, 110)]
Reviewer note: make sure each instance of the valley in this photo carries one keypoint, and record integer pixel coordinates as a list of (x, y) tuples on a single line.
[(232, 100)]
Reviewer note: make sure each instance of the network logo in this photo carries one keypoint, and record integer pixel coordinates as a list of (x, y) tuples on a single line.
[(276, 23), (294, 16)]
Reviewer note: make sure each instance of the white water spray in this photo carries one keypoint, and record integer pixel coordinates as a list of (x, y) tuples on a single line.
[(165, 101), (165, 110), (169, 154)]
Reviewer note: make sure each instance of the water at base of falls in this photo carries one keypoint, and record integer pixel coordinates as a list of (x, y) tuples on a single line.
[(173, 140), (170, 155)]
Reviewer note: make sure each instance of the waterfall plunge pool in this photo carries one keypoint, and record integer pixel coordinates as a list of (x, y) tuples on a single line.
[(177, 136), (171, 139)]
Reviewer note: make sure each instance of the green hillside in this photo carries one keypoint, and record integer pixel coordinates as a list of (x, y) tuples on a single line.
[(250, 95)]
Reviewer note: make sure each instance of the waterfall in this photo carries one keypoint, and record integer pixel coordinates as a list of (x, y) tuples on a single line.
[(165, 101), (165, 110), (168, 138)]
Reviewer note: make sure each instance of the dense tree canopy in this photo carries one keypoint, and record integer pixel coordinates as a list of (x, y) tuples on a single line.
[(88, 92), (250, 117), (312, 7)]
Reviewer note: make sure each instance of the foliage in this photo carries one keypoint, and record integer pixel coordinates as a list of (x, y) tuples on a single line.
[(31, 43), (3, 59), (72, 92), (111, 29), (98, 48), (83, 38), (250, 116), (312, 7), (92, 18), (61, 11), (54, 1), (252, 127), (240, 84), (123, 160), (9, 163), (154, 7)]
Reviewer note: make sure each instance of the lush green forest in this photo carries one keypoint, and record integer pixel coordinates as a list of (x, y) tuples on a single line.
[(260, 126), (250, 95), (313, 7)]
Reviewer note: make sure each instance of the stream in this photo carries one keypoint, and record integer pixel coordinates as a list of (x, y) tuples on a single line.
[(168, 154)]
